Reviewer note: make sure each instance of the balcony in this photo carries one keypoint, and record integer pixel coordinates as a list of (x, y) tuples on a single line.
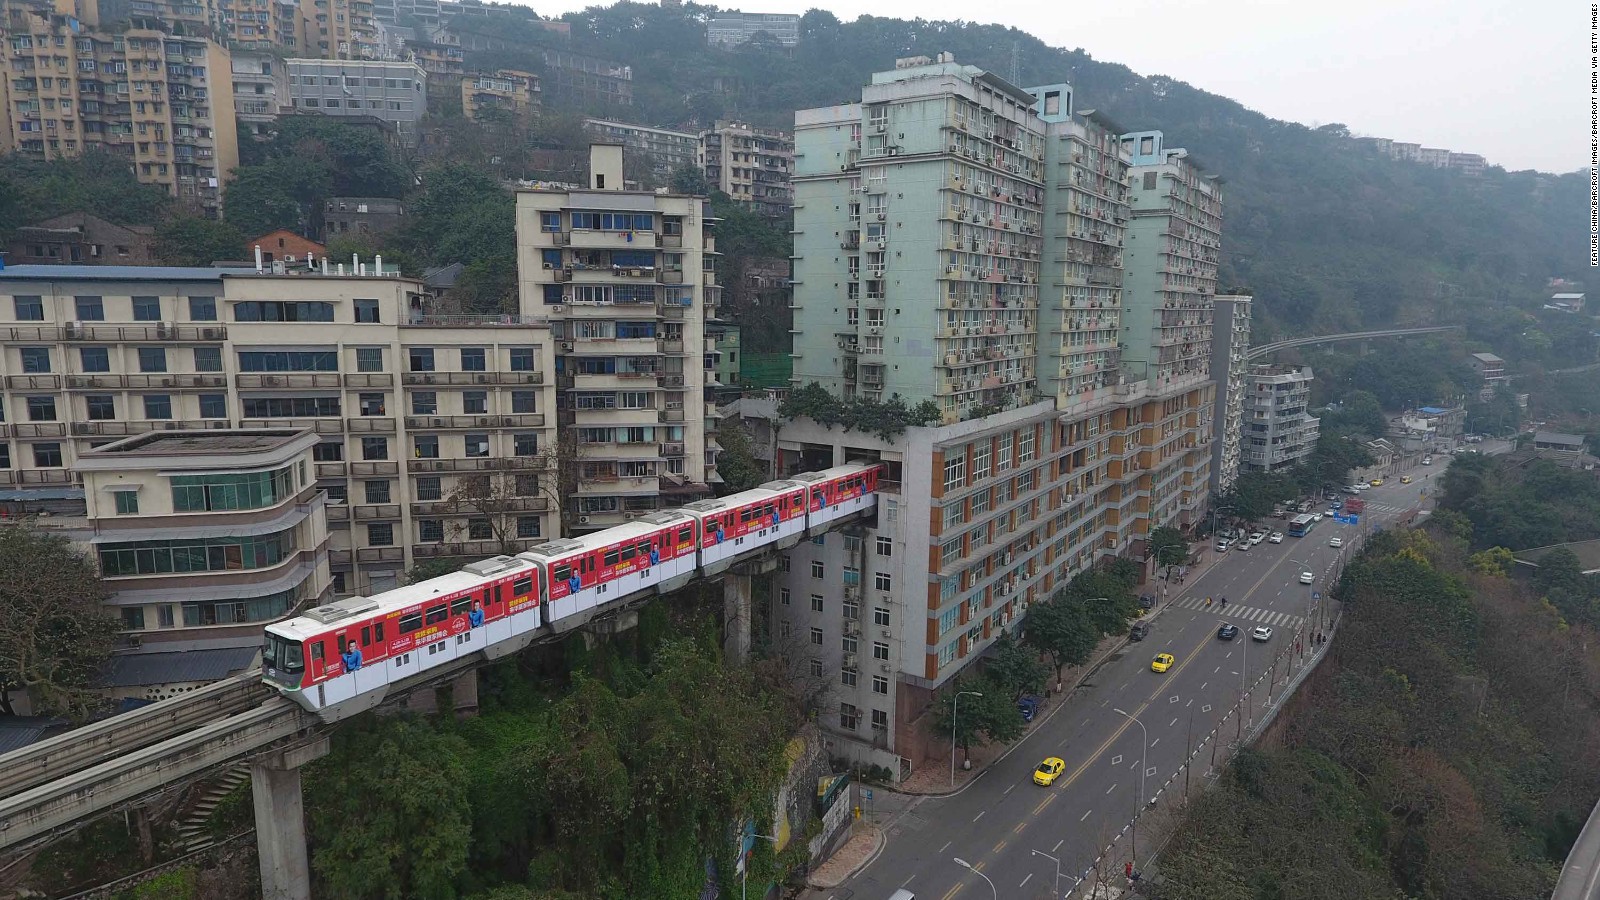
[(450, 507), (669, 415), (380, 554), (40, 429), (370, 424), (472, 548), (330, 469), (288, 380), (376, 511), (369, 380), (480, 464), (374, 467), (527, 420), (34, 382), (158, 332), (320, 426), (609, 240), (453, 378)]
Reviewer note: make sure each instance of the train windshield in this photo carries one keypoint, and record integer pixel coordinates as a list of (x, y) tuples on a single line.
[(283, 655)]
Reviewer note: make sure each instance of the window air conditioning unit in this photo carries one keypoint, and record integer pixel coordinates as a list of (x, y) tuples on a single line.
[(583, 520)]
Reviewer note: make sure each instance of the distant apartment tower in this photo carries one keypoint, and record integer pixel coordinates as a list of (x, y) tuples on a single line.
[(361, 216), (666, 150), (588, 78), (961, 240), (752, 165), (394, 92), (626, 280), (505, 94), (1437, 157), (434, 432), (730, 29), (1279, 431), (422, 13), (1467, 163), (1230, 366), (164, 102), (260, 90), (1492, 369), (79, 239), (342, 29)]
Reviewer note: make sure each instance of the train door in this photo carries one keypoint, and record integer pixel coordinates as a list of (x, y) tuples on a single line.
[(318, 663)]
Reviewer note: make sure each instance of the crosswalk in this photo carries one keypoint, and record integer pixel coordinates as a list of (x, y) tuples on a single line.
[(1241, 613), (1384, 507)]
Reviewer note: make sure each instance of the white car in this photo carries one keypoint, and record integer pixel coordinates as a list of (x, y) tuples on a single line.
[(1275, 538), (1351, 489), (1261, 633), (1427, 460), (1258, 537), (1242, 546), (1316, 517), (1307, 578), (1362, 485), (1223, 545), (1336, 542)]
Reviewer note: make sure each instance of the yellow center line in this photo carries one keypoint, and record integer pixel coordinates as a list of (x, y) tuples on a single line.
[(1049, 799), (998, 847), (1020, 826), (953, 891)]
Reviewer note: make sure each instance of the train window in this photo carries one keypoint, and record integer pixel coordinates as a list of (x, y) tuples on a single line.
[(644, 548), (560, 573), (316, 651), (611, 557), (626, 553), (377, 632), (438, 614), (410, 623), (366, 636), (520, 586), (460, 607), (496, 594), (343, 644), (686, 535)]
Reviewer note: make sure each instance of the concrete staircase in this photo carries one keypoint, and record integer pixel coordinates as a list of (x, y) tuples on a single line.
[(193, 833)]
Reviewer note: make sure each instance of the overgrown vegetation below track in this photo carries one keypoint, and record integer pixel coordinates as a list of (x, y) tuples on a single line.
[(1449, 748)]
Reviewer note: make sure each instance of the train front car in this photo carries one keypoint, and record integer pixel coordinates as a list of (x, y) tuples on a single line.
[(583, 576), (840, 491), (731, 526)]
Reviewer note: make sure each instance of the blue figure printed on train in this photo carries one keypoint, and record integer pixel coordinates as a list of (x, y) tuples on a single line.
[(352, 658), (574, 584), (655, 557), (475, 615)]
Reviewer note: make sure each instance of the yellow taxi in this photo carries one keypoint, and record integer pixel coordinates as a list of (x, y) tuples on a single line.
[(1049, 771), (1376, 482), (1405, 479), (1162, 662)]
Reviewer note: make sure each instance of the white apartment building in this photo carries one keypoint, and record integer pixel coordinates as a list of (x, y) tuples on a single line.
[(1230, 363), (627, 281), (394, 91), (1279, 432), (751, 165), (433, 433)]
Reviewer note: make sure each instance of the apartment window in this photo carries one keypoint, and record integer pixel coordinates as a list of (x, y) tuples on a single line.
[(28, 308), (157, 406), (882, 581), (816, 633), (133, 618), (885, 546), (371, 404), (374, 448), (523, 402), (35, 360), (328, 451), (380, 534), (816, 603), (847, 677), (816, 668), (880, 616), (47, 456), (41, 409), (102, 407), (430, 531), (376, 491), (955, 472), (421, 359), (424, 403), (1025, 446), (429, 488), (208, 359), (203, 309), (479, 530), (849, 717), (474, 402), (472, 359), (213, 406), (783, 596), (127, 502), (95, 359), (880, 685), (549, 221), (477, 445), (851, 610), (152, 359), (1003, 457), (366, 311), (147, 309), (89, 309), (525, 444), (369, 359), (528, 527), (426, 446), (817, 569), (880, 719), (880, 650), (980, 460)]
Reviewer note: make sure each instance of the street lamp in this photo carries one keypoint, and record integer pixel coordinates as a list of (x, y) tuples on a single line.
[(1058, 868), (966, 865), (955, 708), (744, 870), (1214, 511), (1138, 807)]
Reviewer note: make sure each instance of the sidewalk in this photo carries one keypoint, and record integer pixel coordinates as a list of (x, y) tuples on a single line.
[(933, 780), (866, 840)]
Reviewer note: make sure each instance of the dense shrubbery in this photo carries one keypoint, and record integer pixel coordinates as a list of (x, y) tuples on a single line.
[(886, 419)]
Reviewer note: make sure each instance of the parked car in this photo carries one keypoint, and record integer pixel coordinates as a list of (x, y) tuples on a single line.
[(1307, 578), (1227, 631), (1261, 633), (1029, 707), (1275, 538), (1427, 460), (1138, 631), (1223, 545), (1147, 601), (1243, 546), (1257, 537)]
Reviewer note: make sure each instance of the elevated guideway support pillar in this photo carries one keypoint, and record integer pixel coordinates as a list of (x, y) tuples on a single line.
[(737, 606), (281, 820)]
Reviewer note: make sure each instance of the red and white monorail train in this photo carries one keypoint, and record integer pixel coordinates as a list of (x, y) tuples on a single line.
[(500, 605)]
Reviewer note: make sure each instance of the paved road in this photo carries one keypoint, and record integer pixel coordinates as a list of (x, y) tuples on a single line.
[(1002, 821)]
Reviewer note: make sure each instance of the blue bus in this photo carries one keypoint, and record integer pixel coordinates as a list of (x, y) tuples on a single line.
[(1300, 526)]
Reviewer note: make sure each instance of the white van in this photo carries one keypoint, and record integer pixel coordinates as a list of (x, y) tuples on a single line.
[(903, 894)]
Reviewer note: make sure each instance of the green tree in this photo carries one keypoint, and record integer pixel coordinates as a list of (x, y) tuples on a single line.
[(690, 179), (737, 464), (432, 568), (1015, 667), (1168, 547), (978, 719), (262, 199), (1496, 561), (198, 241), (55, 634), (1062, 629), (389, 815)]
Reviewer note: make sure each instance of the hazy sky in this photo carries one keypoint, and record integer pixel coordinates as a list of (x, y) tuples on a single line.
[(1505, 78)]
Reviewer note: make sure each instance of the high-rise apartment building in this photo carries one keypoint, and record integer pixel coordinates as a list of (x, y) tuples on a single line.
[(1230, 364), (393, 91), (730, 29), (260, 90), (436, 433), (507, 94), (962, 240), (666, 150), (162, 100), (1279, 431), (751, 165), (626, 279), (341, 29)]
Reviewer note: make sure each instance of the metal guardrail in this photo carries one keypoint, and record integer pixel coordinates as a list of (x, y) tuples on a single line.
[(27, 768), (1266, 349), (62, 802)]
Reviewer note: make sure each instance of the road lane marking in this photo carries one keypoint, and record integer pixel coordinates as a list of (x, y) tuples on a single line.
[(1112, 788), (979, 815), (1049, 798), (1063, 840), (1080, 819), (1025, 881), (1203, 684), (1173, 722), (1020, 825), (1008, 790), (1155, 742), (998, 847), (946, 846), (953, 891)]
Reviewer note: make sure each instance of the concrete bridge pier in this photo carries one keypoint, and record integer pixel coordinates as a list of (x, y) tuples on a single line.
[(736, 613), (281, 820)]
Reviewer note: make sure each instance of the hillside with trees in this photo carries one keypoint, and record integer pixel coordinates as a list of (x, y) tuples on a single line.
[(1448, 748)]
